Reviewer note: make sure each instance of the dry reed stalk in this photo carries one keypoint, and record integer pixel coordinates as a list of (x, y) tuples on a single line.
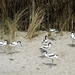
[(61, 32), (1, 31), (7, 30), (37, 19)]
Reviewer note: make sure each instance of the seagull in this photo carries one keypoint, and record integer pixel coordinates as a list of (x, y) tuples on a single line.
[(45, 41), (52, 30), (14, 44), (52, 55), (4, 43), (73, 37), (47, 47)]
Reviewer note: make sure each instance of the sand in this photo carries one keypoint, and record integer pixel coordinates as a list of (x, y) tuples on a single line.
[(29, 60)]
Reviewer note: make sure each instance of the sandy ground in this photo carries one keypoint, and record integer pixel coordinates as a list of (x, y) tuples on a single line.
[(30, 61)]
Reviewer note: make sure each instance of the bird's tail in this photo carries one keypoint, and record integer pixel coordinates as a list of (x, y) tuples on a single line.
[(42, 50), (56, 56)]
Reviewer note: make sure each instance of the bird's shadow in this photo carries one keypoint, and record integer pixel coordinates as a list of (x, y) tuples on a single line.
[(43, 56), (41, 50), (12, 52), (50, 64), (51, 38), (2, 52), (71, 45)]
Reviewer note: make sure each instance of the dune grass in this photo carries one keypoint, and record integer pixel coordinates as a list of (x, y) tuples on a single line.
[(9, 27), (37, 19)]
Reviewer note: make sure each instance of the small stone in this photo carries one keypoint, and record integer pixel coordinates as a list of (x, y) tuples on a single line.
[(11, 59)]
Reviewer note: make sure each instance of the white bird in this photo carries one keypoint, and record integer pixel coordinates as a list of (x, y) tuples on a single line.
[(4, 43), (73, 37), (47, 47), (52, 30), (52, 55), (14, 44), (45, 41)]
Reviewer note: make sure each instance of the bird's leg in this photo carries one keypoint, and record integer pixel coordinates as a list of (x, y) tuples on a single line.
[(14, 48), (20, 45), (4, 48), (1, 48), (72, 42), (52, 61)]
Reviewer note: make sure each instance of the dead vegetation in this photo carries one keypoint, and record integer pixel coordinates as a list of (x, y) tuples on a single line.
[(37, 19), (30, 16)]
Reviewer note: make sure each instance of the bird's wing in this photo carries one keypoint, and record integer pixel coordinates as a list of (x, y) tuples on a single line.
[(45, 44), (14, 42), (45, 47), (50, 55), (41, 49), (51, 30), (11, 44), (46, 40)]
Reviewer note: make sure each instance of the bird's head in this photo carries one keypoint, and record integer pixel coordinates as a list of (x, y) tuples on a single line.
[(45, 52), (45, 36), (6, 41), (49, 43), (72, 32), (19, 42)]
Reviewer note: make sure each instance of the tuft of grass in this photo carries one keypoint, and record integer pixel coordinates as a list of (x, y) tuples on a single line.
[(49, 34), (34, 26), (9, 27)]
